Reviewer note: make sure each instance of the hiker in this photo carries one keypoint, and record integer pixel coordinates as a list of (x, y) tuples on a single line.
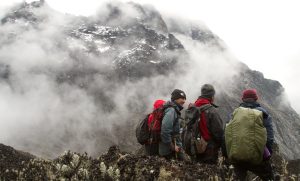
[(170, 145), (211, 126), (151, 147), (249, 138)]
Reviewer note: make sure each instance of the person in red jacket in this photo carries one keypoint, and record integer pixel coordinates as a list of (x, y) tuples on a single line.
[(152, 148), (211, 126)]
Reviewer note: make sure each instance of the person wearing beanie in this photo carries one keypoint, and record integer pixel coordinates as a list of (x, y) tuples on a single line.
[(176, 94), (170, 145), (211, 126), (207, 91), (263, 170), (249, 95), (249, 98)]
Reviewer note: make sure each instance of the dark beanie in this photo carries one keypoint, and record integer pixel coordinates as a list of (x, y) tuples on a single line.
[(250, 94), (176, 94), (207, 91)]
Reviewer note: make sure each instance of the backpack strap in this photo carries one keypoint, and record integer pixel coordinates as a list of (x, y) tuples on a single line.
[(202, 109), (164, 107), (152, 123), (173, 106)]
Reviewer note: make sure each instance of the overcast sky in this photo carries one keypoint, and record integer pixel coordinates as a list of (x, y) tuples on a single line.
[(263, 34)]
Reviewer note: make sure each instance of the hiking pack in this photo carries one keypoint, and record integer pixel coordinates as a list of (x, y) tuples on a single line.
[(142, 131), (246, 136), (150, 134), (193, 142)]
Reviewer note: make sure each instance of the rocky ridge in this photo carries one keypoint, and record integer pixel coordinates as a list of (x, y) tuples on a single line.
[(142, 46), (118, 165)]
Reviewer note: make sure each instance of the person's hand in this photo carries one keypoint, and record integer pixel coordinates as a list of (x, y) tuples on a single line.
[(177, 149)]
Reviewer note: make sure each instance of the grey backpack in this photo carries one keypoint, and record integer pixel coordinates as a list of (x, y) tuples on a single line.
[(193, 142)]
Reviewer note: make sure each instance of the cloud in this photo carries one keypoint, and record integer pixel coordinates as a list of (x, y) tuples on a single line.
[(5, 6), (288, 77), (58, 95), (247, 35)]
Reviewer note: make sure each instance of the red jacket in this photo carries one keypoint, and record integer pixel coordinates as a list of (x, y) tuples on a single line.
[(203, 123)]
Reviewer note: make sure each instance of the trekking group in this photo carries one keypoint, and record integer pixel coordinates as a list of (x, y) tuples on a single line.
[(199, 133)]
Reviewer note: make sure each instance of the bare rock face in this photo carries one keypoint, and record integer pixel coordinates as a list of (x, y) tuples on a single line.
[(137, 47), (142, 47)]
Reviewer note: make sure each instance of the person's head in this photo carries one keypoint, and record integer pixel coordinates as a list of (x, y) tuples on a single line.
[(208, 91), (249, 95), (178, 96)]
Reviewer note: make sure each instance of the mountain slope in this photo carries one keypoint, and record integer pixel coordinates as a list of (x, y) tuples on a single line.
[(82, 83)]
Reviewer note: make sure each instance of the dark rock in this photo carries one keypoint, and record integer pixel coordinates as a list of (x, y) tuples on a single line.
[(11, 161)]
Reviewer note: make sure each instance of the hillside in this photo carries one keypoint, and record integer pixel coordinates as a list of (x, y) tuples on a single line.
[(82, 83)]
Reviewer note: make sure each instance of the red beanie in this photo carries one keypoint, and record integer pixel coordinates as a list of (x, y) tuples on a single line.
[(250, 94), (158, 103)]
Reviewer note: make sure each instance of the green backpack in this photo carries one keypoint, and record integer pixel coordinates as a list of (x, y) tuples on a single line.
[(246, 136)]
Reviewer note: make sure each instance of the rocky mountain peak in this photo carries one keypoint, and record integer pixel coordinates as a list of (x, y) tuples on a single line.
[(24, 11), (97, 75)]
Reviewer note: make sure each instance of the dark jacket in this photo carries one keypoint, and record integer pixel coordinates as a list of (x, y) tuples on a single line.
[(211, 125), (170, 128), (267, 121), (211, 128)]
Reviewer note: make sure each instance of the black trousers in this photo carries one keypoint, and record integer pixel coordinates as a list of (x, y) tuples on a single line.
[(210, 156), (152, 149), (263, 170), (178, 156)]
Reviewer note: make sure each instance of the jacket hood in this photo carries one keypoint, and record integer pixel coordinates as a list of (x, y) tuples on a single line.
[(158, 103), (203, 100)]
